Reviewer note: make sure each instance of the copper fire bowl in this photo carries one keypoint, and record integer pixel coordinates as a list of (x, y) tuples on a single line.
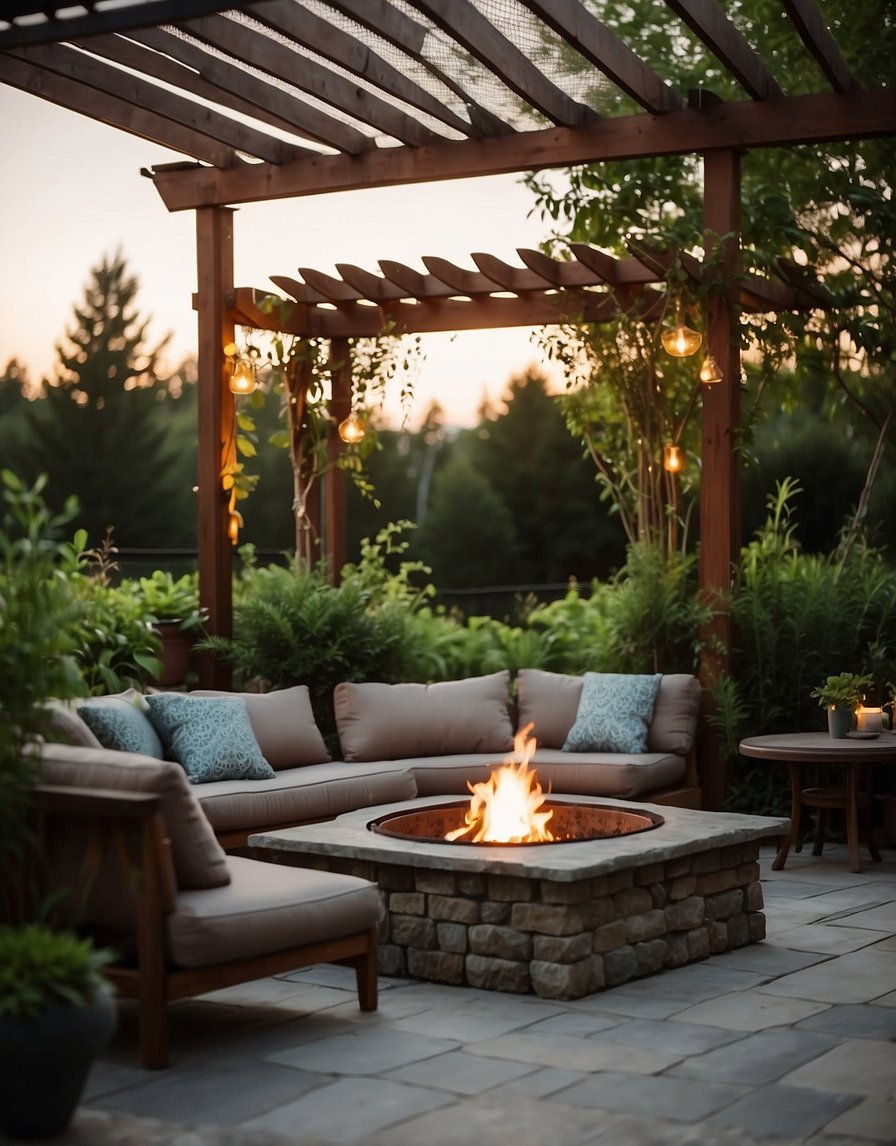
[(570, 823)]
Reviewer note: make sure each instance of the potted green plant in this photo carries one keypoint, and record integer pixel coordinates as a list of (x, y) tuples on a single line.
[(841, 694), (38, 966), (56, 1012), (172, 609)]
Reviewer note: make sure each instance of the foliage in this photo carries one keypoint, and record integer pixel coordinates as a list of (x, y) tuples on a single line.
[(37, 612), (829, 207), (646, 618), (113, 642), (40, 967), (165, 597), (843, 690), (798, 619), (302, 375), (292, 627)]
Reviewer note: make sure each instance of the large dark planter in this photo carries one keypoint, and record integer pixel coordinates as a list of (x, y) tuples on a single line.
[(44, 1063), (177, 643)]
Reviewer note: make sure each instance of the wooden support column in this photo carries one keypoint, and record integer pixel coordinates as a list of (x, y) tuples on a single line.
[(214, 260), (720, 475), (335, 481)]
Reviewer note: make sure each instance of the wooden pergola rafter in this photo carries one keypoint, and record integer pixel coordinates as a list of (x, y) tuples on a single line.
[(544, 290)]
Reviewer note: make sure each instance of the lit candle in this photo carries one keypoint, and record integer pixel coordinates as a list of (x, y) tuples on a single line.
[(869, 719)]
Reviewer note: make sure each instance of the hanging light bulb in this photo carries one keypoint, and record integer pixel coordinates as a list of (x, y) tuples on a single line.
[(709, 371), (242, 378), (673, 458), (352, 429), (679, 340)]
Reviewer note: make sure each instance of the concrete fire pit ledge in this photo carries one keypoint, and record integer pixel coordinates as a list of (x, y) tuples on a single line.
[(563, 920)]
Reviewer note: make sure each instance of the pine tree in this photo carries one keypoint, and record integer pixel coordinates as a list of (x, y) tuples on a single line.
[(104, 428)]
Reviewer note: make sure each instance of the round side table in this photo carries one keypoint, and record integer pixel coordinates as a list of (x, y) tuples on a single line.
[(858, 756)]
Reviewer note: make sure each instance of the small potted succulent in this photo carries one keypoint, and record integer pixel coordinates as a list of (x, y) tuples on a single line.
[(841, 694)]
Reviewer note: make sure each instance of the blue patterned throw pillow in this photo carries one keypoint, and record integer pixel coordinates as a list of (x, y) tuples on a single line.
[(119, 722), (614, 713), (211, 737)]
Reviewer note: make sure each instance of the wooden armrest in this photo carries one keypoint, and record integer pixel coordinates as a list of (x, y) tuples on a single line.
[(102, 803)]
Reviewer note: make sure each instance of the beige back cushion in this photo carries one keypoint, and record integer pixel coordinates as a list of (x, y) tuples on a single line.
[(398, 721), (551, 700), (199, 860), (284, 725)]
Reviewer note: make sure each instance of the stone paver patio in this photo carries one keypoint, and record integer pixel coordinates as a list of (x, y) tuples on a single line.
[(789, 1040)]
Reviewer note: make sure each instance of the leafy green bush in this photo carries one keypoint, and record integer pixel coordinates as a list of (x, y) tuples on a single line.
[(798, 619), (114, 644), (291, 626), (37, 616)]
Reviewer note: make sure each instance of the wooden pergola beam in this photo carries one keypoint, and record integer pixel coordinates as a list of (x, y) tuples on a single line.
[(790, 120), (478, 36), (814, 33), (710, 24), (612, 56), (302, 72), (90, 71), (333, 44), (105, 108)]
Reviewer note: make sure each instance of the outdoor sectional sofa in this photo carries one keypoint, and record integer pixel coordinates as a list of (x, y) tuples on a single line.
[(135, 854), (402, 741)]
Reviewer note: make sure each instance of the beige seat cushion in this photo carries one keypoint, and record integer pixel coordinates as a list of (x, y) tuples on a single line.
[(575, 773), (199, 860), (395, 721), (300, 795), (284, 725), (551, 701), (266, 908)]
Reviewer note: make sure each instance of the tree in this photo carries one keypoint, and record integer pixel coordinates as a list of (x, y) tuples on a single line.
[(103, 429), (468, 537), (830, 206), (547, 487)]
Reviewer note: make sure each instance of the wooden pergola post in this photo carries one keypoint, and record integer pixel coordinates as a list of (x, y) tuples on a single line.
[(214, 261), (720, 476)]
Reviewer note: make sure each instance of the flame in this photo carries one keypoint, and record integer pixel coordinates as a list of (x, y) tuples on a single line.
[(504, 808)]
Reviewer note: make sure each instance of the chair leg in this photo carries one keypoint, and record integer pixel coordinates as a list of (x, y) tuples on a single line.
[(152, 1017), (366, 973), (821, 825)]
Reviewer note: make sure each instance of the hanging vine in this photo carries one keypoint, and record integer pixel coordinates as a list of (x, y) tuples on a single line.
[(299, 372)]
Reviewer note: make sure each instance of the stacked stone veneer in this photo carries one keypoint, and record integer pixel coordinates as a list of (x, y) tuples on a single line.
[(562, 940)]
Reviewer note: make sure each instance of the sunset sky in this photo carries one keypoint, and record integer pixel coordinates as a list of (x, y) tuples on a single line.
[(72, 192)]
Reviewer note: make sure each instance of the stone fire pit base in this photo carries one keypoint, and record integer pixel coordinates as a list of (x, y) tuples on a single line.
[(562, 920)]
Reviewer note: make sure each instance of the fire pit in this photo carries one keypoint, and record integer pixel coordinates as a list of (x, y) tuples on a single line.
[(569, 824), (507, 907)]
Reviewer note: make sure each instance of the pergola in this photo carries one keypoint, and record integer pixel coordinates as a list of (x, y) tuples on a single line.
[(281, 98)]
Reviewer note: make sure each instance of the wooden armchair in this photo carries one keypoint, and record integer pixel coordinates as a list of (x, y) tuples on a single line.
[(109, 853)]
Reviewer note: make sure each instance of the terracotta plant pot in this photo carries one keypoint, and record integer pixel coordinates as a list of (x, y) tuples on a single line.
[(177, 643)]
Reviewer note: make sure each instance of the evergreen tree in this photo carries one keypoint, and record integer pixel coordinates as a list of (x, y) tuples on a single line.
[(14, 386), (103, 429), (467, 537), (538, 471)]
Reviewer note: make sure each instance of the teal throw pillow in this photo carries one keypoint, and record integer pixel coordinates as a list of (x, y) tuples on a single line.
[(614, 713), (210, 737), (119, 722)]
